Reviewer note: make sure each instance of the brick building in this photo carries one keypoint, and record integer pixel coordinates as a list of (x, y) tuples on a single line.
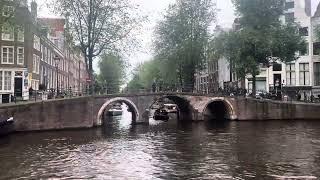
[(30, 50)]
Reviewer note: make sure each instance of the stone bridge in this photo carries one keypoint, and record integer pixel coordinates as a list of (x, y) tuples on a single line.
[(86, 112), (191, 106)]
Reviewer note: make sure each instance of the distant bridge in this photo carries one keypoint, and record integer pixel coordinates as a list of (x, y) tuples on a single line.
[(85, 112)]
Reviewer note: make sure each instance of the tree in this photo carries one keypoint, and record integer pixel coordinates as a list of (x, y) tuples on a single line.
[(112, 72), (182, 37), (9, 8), (262, 39), (152, 71), (98, 25)]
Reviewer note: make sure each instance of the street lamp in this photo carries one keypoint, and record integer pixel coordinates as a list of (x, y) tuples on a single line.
[(57, 60)]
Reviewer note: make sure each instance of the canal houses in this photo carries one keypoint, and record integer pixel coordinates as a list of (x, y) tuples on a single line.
[(35, 54), (302, 75)]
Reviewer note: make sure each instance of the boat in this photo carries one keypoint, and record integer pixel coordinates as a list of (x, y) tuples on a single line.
[(171, 108), (6, 126), (116, 110), (161, 115)]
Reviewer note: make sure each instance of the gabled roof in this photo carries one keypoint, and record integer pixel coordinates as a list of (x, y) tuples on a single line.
[(317, 14)]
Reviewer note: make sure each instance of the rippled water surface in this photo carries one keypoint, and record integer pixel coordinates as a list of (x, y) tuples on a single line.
[(235, 150)]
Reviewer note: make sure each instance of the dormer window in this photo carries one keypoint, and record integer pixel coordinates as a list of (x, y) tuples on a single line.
[(7, 11)]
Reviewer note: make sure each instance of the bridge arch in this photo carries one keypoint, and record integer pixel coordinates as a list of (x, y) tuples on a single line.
[(132, 107), (219, 108), (184, 106)]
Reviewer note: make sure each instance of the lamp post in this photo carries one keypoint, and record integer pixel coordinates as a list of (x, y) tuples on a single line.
[(57, 60)]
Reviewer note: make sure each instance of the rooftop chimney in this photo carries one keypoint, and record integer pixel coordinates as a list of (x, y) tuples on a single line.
[(308, 7), (34, 10)]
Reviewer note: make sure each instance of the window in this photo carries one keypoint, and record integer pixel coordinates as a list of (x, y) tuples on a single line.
[(291, 74), (289, 5), (305, 51), (316, 69), (45, 57), (20, 55), (304, 31), (277, 67), (316, 48), (42, 53), (7, 55), (49, 55), (7, 80), (36, 43), (7, 11), (7, 32), (304, 75), (289, 17), (1, 80), (36, 64), (20, 34), (35, 84)]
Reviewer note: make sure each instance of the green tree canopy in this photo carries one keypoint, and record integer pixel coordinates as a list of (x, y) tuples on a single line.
[(153, 71), (98, 26), (262, 39), (182, 37), (112, 72)]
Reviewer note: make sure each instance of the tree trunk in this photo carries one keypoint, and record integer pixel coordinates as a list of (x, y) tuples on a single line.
[(91, 85), (254, 90), (180, 78)]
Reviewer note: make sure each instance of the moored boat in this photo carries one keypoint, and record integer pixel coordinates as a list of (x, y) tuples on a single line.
[(161, 115), (6, 126), (171, 108), (116, 110)]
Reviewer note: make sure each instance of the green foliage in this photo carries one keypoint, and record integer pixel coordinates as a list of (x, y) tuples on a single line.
[(112, 72), (182, 37), (98, 26), (259, 14), (10, 19), (262, 39), (152, 71)]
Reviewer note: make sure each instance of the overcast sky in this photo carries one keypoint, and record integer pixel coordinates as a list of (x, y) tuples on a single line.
[(155, 10)]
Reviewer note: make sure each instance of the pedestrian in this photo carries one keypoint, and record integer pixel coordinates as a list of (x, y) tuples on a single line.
[(30, 91), (154, 86), (299, 97)]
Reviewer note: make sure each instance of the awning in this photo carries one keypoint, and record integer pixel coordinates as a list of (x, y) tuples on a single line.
[(258, 79), (297, 88)]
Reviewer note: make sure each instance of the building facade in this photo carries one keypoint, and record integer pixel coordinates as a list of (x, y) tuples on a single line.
[(303, 75), (33, 54)]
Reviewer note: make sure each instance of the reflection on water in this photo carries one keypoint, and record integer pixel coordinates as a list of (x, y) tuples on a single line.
[(172, 150)]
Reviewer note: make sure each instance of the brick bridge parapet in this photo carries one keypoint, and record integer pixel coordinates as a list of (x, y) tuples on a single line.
[(86, 112)]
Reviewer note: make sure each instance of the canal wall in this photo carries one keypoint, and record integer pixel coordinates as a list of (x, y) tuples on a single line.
[(253, 109), (51, 115)]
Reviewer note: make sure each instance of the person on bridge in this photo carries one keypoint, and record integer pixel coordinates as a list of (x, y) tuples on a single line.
[(154, 86)]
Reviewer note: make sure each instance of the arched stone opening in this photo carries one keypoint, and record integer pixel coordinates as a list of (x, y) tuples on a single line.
[(131, 107), (184, 107), (219, 109)]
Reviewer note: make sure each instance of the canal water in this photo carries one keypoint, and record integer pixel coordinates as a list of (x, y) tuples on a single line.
[(166, 150)]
